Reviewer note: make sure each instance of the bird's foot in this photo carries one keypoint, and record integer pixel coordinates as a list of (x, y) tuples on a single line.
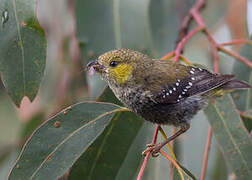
[(153, 149)]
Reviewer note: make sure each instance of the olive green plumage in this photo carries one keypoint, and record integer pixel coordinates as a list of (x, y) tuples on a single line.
[(161, 91)]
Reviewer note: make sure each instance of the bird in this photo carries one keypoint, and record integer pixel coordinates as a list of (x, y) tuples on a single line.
[(163, 92)]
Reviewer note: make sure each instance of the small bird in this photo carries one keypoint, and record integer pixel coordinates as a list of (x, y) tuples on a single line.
[(160, 91)]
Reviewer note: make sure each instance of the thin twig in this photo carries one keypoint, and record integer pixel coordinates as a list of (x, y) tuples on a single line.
[(236, 55), (237, 42), (168, 145), (182, 43), (173, 162), (154, 140), (171, 54), (206, 153), (200, 4), (168, 56), (171, 165)]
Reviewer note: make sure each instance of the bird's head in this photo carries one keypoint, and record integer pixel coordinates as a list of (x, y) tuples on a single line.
[(117, 66)]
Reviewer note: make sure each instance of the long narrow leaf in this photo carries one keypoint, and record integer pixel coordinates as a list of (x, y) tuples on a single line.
[(57, 144), (22, 49), (232, 137)]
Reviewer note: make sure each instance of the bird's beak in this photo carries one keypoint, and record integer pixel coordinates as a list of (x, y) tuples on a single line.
[(95, 65)]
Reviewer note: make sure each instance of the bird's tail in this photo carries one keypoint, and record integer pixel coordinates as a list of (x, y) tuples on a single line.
[(230, 86), (235, 84)]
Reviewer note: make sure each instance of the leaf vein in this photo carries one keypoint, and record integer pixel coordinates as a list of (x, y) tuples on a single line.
[(20, 43)]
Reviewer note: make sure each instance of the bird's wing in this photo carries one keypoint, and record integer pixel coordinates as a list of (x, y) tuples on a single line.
[(198, 82)]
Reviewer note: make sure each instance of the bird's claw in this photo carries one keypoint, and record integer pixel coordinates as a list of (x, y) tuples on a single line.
[(150, 145), (152, 148)]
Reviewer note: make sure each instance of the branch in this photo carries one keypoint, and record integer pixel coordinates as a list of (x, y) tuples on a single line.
[(200, 4), (154, 140), (206, 153), (237, 42), (173, 162)]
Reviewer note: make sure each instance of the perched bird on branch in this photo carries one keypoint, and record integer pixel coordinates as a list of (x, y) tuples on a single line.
[(162, 92)]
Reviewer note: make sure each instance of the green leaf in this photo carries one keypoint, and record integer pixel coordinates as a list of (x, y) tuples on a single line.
[(233, 138), (58, 143), (22, 49), (243, 98), (104, 158)]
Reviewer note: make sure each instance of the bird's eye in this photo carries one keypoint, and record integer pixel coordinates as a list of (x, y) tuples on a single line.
[(113, 64)]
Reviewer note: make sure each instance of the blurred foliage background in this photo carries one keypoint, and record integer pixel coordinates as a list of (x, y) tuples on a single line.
[(74, 32)]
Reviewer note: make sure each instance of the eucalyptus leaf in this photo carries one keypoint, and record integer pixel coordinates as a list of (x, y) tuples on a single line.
[(104, 158), (233, 138), (22, 49), (58, 143)]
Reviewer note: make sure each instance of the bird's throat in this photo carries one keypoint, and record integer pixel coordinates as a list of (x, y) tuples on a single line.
[(121, 73)]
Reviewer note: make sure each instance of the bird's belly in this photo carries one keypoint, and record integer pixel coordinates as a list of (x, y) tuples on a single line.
[(144, 105), (171, 114)]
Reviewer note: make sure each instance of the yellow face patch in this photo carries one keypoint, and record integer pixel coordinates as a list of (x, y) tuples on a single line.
[(121, 73)]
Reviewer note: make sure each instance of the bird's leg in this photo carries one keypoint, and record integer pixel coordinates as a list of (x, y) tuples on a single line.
[(154, 149)]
